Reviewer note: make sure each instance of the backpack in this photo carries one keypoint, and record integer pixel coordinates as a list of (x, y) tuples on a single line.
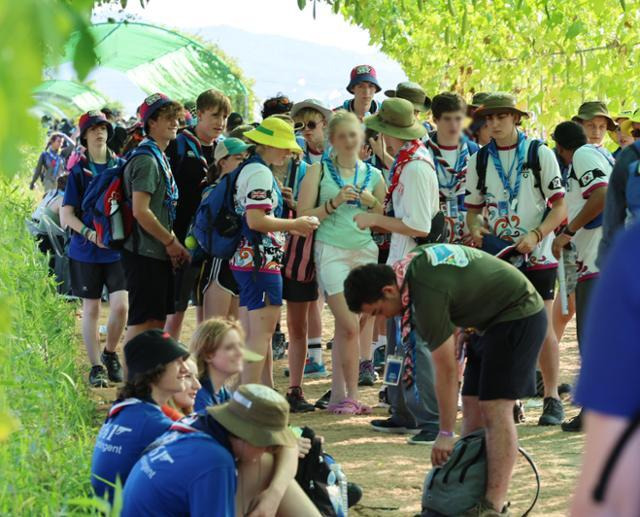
[(461, 482), (107, 202), (183, 145), (632, 190)]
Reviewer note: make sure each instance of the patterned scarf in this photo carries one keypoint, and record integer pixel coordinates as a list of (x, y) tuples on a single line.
[(451, 177), (171, 190), (410, 151), (403, 322)]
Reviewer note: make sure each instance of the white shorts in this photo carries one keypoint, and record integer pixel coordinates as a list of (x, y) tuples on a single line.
[(333, 264), (587, 242)]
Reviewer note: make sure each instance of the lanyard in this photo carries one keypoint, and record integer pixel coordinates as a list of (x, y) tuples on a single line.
[(340, 182), (506, 178)]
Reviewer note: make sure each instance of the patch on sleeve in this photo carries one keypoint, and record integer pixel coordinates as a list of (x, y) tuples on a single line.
[(590, 176), (555, 184), (446, 254), (259, 195)]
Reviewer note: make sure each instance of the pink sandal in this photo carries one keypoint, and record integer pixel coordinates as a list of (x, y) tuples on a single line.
[(363, 409), (349, 407)]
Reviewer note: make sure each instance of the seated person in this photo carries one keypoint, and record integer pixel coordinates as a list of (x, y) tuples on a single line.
[(237, 459), (182, 403), (156, 371)]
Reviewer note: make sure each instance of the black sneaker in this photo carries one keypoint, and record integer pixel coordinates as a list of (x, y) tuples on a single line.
[(98, 377), (574, 425), (112, 363), (297, 402), (323, 401), (564, 389), (354, 494), (552, 413), (329, 344), (278, 345), (424, 437), (388, 425), (518, 412)]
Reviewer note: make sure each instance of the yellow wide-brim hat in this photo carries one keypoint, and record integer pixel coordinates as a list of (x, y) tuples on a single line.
[(274, 132)]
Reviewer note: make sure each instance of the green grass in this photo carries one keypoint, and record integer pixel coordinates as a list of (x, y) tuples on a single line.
[(45, 462)]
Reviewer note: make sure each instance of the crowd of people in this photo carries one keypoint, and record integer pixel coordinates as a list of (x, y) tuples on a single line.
[(435, 230)]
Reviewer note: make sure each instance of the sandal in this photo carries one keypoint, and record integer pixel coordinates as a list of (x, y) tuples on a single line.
[(363, 409), (346, 407)]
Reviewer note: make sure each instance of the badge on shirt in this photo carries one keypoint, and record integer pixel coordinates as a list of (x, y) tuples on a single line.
[(446, 254)]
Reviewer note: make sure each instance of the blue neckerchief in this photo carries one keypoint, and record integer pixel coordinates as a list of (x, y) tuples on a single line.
[(57, 162), (221, 397), (171, 194), (340, 182), (506, 178)]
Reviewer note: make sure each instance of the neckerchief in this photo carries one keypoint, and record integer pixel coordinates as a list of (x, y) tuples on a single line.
[(412, 150), (448, 176), (506, 178), (171, 190), (88, 166), (194, 142), (55, 160), (403, 322), (335, 175)]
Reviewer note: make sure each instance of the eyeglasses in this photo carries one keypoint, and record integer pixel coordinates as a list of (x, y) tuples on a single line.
[(311, 125)]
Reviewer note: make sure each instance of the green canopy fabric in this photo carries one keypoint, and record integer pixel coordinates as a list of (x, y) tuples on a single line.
[(68, 97), (160, 60)]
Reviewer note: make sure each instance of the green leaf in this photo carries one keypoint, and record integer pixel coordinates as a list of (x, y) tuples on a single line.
[(84, 57), (302, 4), (574, 29), (623, 4)]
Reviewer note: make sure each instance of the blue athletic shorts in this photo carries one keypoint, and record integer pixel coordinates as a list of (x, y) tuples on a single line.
[(257, 290)]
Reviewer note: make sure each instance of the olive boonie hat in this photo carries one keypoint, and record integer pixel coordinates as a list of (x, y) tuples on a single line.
[(412, 92), (274, 132), (499, 103), (592, 109), (476, 101), (396, 119), (256, 414)]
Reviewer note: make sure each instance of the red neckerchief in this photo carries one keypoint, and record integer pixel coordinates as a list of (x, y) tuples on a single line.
[(406, 154), (119, 406)]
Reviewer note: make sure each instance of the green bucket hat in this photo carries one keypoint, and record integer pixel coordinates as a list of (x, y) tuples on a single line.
[(258, 415), (395, 118), (499, 103), (592, 109), (476, 102), (412, 92)]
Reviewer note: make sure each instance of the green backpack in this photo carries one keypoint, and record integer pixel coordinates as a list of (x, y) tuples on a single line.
[(461, 482)]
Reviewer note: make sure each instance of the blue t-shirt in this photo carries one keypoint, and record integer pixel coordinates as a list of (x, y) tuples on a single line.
[(190, 472), (206, 396), (609, 381), (80, 248), (131, 426)]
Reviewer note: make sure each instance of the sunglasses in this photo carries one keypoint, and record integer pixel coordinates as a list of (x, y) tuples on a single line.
[(311, 125), (635, 133)]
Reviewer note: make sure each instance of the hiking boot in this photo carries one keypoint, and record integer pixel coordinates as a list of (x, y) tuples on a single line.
[(388, 425), (297, 402), (424, 437), (367, 374), (518, 412), (564, 389), (485, 509), (323, 401), (112, 363), (278, 345), (574, 425), (552, 413), (98, 377), (313, 370)]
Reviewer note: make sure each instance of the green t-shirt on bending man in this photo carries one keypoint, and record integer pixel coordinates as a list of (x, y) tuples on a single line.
[(457, 286)]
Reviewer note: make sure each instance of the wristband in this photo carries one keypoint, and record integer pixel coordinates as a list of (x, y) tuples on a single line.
[(448, 434), (539, 235), (173, 238), (332, 205), (568, 232), (84, 231)]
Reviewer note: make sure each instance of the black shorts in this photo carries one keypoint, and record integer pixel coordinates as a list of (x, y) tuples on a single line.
[(150, 284), (221, 275), (544, 280), (89, 278), (295, 291), (185, 283), (501, 364)]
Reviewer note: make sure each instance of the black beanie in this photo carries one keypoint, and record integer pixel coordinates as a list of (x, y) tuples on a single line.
[(150, 349)]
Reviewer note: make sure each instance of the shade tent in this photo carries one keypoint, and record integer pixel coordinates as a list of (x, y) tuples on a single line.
[(160, 60), (69, 98)]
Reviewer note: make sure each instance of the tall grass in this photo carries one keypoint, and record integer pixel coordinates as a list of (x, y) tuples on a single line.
[(44, 463)]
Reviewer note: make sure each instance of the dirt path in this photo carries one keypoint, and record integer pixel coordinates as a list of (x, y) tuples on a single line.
[(391, 472)]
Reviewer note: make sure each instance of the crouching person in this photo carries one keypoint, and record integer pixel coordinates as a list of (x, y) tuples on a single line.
[(237, 459), (437, 288)]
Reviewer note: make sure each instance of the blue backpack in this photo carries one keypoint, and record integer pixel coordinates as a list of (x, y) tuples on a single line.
[(106, 201), (632, 191)]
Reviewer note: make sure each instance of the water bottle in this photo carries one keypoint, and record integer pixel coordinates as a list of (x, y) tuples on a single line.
[(117, 225), (341, 480)]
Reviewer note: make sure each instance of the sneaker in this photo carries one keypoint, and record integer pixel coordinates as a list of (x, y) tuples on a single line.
[(278, 345), (297, 402), (553, 412), (388, 425), (379, 355), (313, 370), (564, 389), (518, 412), (329, 344), (485, 509), (574, 425), (424, 437), (354, 494), (112, 363), (98, 377), (367, 374), (383, 398), (323, 401)]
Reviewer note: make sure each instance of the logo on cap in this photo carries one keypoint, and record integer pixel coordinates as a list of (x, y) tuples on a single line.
[(152, 99)]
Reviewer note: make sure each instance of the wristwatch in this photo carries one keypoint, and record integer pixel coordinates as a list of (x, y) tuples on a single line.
[(568, 232)]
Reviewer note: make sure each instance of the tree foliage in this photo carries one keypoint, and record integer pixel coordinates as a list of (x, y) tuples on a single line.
[(553, 54)]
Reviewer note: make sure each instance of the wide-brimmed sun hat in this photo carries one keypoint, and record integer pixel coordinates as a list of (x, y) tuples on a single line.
[(396, 118), (314, 104), (274, 132), (592, 109), (412, 92), (626, 127), (476, 101), (499, 102), (258, 415)]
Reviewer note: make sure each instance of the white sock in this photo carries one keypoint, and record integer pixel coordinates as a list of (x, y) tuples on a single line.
[(314, 349)]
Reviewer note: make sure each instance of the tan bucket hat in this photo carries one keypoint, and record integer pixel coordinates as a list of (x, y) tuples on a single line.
[(592, 109), (412, 92), (395, 118)]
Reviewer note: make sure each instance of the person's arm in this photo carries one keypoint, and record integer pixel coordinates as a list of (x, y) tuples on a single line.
[(68, 217), (446, 387), (558, 213), (37, 171), (259, 221), (474, 203), (374, 202)]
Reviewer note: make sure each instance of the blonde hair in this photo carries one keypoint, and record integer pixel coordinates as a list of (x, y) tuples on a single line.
[(207, 338), (342, 117), (307, 114)]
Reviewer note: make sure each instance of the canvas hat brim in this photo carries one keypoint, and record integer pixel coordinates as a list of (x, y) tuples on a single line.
[(95, 121), (482, 111), (251, 357), (255, 135), (259, 436), (365, 78), (416, 130), (419, 107), (298, 106), (611, 124)]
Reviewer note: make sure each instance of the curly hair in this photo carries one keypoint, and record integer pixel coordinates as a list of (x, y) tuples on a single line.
[(140, 386)]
